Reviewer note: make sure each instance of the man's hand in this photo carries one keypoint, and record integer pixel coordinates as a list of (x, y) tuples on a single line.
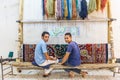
[(65, 58), (53, 58), (49, 57), (60, 63)]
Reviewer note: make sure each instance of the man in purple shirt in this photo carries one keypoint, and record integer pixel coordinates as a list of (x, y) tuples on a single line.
[(72, 56)]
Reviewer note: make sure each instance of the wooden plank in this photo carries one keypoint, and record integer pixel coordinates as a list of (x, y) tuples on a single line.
[(22, 64), (58, 21), (82, 66), (89, 66)]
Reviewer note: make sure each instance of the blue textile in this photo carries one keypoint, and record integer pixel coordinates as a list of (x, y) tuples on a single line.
[(69, 5), (43, 7), (62, 8), (78, 6), (84, 12)]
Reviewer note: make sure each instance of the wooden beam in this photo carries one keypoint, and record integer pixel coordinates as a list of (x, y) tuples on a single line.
[(20, 29), (110, 33), (62, 21), (82, 66)]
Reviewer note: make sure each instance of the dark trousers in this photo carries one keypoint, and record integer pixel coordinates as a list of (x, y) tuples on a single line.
[(70, 69)]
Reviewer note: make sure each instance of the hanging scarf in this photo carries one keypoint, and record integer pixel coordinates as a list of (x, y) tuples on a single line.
[(74, 11), (98, 3), (50, 7), (45, 7), (62, 9), (92, 6), (58, 10), (103, 4), (65, 9), (69, 5), (83, 13), (78, 7), (55, 9)]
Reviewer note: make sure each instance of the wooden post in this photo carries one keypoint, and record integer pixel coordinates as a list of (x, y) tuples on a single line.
[(20, 29), (110, 33)]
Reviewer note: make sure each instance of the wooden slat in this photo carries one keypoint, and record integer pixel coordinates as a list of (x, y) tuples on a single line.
[(89, 66), (22, 64), (58, 21), (82, 66)]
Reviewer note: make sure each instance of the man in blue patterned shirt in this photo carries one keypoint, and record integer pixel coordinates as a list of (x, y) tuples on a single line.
[(41, 56)]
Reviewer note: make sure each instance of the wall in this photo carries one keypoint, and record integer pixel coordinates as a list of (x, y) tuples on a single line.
[(9, 28), (116, 26)]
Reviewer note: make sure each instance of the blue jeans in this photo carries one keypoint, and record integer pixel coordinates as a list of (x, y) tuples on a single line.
[(70, 69)]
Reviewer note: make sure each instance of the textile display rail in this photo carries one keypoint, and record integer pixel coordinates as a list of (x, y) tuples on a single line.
[(58, 21)]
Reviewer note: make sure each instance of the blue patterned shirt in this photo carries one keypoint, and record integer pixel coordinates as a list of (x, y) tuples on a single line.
[(40, 49)]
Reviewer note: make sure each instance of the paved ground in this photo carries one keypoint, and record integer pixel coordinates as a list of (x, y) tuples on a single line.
[(61, 75)]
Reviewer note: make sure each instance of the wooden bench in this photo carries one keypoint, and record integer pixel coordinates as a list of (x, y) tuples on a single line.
[(28, 65)]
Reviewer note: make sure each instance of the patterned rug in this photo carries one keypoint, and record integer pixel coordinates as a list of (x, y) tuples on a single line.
[(90, 53)]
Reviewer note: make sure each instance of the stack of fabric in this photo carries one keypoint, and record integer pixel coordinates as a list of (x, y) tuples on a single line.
[(71, 9)]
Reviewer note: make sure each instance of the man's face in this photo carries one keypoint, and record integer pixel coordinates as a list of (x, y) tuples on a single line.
[(45, 37), (68, 39)]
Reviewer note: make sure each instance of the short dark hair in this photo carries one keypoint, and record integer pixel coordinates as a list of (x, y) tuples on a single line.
[(68, 34), (45, 32)]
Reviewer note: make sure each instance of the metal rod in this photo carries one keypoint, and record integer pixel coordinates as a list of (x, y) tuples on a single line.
[(3, 63), (11, 68), (7, 73), (6, 68), (1, 68)]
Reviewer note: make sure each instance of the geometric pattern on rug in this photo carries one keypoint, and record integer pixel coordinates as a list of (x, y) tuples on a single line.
[(90, 53)]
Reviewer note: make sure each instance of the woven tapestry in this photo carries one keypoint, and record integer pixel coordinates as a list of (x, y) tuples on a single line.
[(90, 53)]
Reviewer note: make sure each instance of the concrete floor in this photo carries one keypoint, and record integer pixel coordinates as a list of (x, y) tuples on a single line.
[(61, 75)]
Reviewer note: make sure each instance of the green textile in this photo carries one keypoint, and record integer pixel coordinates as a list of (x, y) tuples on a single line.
[(92, 6)]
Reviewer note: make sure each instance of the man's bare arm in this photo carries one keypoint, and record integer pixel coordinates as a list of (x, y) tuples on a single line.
[(65, 58), (48, 57)]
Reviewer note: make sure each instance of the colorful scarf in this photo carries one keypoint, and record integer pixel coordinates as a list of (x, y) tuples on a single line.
[(65, 9), (103, 4), (58, 10), (74, 11), (62, 8), (83, 13), (45, 7), (92, 6), (50, 7), (69, 5), (98, 3)]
